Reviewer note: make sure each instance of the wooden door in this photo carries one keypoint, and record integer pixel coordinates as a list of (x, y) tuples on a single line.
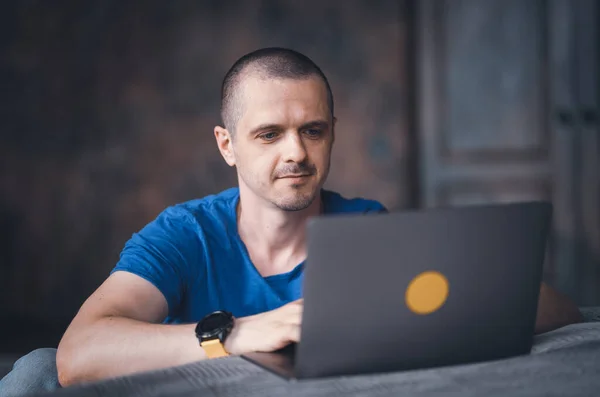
[(576, 143), (489, 120)]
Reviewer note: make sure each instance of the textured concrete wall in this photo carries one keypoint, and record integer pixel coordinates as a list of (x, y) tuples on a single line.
[(107, 116)]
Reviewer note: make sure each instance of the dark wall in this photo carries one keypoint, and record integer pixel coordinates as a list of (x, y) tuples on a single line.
[(107, 116)]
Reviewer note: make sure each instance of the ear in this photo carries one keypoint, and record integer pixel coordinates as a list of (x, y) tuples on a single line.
[(225, 145)]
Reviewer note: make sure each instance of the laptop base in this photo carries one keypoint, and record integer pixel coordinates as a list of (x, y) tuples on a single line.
[(280, 362)]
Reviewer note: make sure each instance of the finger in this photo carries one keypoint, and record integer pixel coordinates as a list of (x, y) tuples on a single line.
[(293, 333), (289, 333), (288, 318), (293, 315), (296, 304), (290, 310), (294, 318)]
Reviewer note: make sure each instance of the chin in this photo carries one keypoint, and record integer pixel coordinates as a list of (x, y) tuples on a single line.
[(295, 202), (293, 206)]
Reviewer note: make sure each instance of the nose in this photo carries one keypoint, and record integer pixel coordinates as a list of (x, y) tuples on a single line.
[(294, 149)]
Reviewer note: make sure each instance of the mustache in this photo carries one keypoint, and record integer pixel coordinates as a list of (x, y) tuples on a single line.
[(295, 169)]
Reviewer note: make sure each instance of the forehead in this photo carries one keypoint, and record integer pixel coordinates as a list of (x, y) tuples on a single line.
[(289, 102)]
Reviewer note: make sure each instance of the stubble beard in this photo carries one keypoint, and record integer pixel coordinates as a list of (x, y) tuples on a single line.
[(297, 203)]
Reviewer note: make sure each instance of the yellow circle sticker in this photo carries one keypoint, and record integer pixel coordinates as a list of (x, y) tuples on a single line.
[(427, 292)]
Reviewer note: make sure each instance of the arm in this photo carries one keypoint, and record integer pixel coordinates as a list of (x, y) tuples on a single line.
[(117, 332), (118, 329), (555, 310)]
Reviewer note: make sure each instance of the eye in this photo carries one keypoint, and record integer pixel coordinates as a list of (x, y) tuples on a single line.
[(313, 133), (268, 136)]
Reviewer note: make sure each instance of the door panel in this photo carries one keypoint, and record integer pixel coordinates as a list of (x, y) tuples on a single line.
[(508, 111), (492, 81), (587, 86), (483, 91)]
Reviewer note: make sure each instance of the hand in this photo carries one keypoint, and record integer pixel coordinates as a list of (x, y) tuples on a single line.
[(266, 332)]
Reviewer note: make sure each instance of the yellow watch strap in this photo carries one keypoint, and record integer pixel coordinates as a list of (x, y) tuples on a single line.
[(214, 348)]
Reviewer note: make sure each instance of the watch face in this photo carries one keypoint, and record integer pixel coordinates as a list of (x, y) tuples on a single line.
[(213, 324)]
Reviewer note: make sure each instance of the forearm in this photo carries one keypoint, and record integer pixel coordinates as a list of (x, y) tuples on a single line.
[(116, 346), (555, 310)]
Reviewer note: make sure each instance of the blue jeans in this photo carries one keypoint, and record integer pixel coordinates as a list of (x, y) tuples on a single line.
[(32, 373)]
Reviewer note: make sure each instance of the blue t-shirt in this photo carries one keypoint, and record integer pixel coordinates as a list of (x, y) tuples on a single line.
[(193, 254)]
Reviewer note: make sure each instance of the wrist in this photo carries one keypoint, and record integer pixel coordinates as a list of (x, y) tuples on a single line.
[(197, 353), (232, 342), (212, 332)]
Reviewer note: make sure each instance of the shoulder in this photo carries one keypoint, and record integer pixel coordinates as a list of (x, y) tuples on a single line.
[(188, 219), (336, 203), (168, 251), (176, 237), (215, 206)]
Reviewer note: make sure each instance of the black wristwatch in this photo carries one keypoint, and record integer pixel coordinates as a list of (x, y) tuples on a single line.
[(212, 331)]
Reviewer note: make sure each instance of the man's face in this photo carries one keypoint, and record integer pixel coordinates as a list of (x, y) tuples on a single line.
[(282, 142)]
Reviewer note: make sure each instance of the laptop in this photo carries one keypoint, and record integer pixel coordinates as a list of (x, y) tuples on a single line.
[(417, 289)]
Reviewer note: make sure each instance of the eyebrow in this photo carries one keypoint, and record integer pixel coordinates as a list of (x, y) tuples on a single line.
[(311, 124)]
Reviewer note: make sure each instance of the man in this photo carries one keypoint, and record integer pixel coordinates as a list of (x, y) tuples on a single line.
[(240, 251)]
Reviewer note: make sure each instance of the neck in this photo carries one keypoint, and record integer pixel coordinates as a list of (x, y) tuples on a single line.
[(275, 239)]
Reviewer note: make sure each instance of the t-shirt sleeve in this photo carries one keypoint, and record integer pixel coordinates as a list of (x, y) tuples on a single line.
[(161, 253)]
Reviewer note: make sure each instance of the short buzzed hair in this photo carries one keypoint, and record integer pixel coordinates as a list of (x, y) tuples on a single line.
[(274, 62)]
